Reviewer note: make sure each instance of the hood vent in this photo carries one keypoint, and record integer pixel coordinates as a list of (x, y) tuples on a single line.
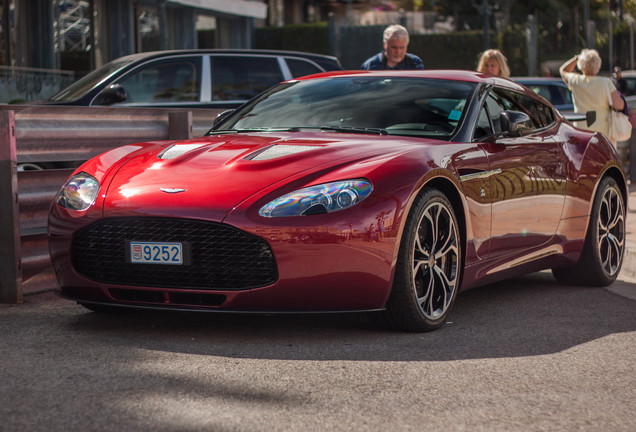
[(177, 150), (281, 150)]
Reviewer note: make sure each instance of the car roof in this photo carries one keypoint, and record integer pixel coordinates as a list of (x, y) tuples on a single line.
[(539, 80), (450, 74), (318, 58), (447, 74)]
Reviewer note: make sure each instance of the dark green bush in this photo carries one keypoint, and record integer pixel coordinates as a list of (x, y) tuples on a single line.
[(313, 37), (459, 50)]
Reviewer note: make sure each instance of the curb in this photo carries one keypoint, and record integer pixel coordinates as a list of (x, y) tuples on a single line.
[(629, 260)]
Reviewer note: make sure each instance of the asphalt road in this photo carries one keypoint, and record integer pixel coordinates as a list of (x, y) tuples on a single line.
[(527, 354)]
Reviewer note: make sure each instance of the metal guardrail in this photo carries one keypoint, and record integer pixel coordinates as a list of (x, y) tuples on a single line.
[(60, 134)]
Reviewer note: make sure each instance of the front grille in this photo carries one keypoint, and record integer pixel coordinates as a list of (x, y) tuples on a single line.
[(167, 297), (221, 256)]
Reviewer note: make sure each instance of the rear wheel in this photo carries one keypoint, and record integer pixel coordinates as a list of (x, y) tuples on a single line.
[(429, 266), (604, 247)]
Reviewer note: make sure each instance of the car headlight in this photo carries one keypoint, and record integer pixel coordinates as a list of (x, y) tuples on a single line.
[(79, 192), (323, 198)]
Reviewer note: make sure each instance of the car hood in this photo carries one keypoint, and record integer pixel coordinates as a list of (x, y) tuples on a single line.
[(208, 177)]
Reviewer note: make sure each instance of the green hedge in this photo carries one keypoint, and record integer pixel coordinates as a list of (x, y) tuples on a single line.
[(457, 50), (312, 37)]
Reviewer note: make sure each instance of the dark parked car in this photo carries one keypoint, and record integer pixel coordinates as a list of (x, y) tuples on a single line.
[(629, 88), (347, 191), (554, 90), (190, 78)]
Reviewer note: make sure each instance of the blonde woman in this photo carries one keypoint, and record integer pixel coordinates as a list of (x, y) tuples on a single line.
[(589, 90), (493, 62)]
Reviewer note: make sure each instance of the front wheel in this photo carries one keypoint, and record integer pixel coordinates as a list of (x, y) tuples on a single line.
[(604, 247), (429, 266)]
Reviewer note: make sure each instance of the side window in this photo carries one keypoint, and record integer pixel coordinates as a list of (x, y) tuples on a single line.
[(495, 107), (546, 114), (482, 128), (299, 67), (178, 80), (489, 120), (243, 77), (541, 114), (544, 91)]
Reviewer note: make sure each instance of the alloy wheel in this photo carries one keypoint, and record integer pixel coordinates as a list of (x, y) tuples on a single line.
[(435, 260), (611, 231)]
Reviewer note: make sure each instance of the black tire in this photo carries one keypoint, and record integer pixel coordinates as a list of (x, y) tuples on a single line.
[(604, 247), (429, 266)]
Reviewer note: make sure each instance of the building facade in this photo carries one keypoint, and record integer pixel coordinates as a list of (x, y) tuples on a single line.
[(47, 44), (80, 35)]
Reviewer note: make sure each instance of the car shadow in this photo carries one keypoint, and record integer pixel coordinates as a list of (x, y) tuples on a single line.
[(526, 316)]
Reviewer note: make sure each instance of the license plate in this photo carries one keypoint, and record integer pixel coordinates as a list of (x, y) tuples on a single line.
[(156, 253)]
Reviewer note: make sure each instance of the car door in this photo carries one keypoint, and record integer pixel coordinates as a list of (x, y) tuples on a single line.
[(528, 176)]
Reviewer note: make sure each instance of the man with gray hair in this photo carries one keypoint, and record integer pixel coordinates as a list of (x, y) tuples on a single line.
[(394, 56)]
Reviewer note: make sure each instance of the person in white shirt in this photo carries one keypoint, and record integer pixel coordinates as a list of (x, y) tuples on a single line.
[(589, 90)]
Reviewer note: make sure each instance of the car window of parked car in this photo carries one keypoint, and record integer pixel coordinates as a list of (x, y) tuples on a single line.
[(84, 85), (554, 91), (630, 86), (556, 94), (243, 77), (298, 67), (166, 81), (565, 95), (545, 92)]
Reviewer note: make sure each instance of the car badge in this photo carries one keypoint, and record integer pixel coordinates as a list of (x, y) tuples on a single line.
[(172, 190)]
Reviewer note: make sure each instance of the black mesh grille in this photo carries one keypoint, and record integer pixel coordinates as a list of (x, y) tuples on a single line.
[(167, 297), (221, 257)]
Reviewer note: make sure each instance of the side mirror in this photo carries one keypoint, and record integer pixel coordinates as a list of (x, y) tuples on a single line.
[(221, 116), (114, 93), (515, 122)]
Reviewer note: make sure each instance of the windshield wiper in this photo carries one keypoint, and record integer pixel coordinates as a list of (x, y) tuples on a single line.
[(268, 129), (248, 130), (349, 129)]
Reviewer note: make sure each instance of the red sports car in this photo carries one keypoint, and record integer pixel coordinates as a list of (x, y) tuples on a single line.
[(387, 192)]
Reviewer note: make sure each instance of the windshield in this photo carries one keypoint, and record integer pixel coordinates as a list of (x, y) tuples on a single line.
[(81, 87), (387, 105)]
